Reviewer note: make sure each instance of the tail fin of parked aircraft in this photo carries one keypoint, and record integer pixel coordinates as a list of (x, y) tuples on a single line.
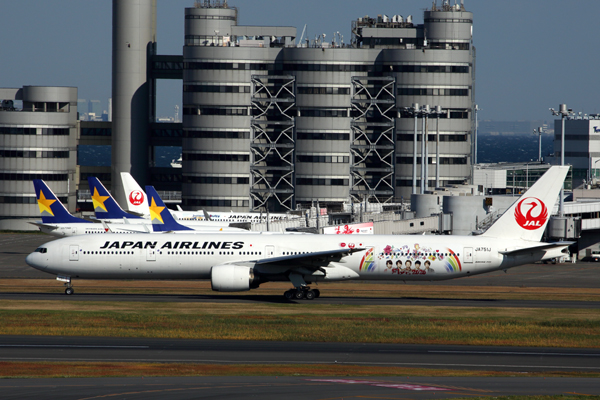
[(51, 209), (136, 198), (527, 218), (105, 206), (161, 217)]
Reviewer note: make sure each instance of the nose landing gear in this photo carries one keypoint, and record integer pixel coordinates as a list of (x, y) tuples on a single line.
[(68, 287), (303, 292)]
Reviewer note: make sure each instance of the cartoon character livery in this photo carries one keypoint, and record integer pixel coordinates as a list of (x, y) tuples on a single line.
[(242, 261)]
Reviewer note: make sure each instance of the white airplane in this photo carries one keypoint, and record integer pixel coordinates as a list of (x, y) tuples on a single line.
[(239, 262), (136, 203), (58, 221), (107, 209)]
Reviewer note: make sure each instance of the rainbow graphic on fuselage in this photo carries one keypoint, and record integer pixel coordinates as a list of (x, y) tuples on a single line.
[(452, 262), (368, 263)]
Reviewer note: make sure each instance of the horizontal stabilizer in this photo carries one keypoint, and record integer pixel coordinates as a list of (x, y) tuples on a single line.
[(41, 225), (540, 247)]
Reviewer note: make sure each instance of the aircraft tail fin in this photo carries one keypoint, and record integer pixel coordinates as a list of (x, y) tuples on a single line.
[(136, 198), (105, 206), (162, 220), (51, 209), (527, 218)]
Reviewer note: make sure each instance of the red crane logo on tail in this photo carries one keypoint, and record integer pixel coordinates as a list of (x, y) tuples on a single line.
[(136, 197), (536, 213)]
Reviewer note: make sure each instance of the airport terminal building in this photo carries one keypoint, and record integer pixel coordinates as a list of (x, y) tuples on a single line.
[(270, 121), (37, 141)]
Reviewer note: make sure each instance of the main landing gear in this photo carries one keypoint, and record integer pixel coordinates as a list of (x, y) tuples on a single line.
[(302, 293)]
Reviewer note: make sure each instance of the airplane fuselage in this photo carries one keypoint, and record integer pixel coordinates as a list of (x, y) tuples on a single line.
[(191, 256)]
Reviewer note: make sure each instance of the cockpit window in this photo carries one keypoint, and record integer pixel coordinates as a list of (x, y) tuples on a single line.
[(41, 250)]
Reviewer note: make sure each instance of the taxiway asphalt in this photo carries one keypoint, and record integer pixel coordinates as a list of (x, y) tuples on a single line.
[(292, 388), (491, 358)]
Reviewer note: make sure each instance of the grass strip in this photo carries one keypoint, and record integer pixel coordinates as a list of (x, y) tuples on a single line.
[(10, 369), (483, 328), (341, 289)]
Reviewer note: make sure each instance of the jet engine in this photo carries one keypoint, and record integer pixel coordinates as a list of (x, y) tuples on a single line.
[(231, 278)]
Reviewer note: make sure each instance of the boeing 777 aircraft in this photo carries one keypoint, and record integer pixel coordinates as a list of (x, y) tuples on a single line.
[(239, 262)]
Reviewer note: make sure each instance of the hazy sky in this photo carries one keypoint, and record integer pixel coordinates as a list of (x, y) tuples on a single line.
[(531, 54)]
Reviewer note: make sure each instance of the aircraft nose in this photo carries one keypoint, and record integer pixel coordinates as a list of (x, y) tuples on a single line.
[(35, 260)]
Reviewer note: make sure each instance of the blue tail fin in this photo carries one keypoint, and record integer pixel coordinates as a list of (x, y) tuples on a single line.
[(105, 206), (51, 209), (162, 220)]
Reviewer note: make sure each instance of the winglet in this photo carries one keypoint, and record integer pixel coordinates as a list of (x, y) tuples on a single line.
[(527, 218), (162, 220), (51, 209), (105, 206)]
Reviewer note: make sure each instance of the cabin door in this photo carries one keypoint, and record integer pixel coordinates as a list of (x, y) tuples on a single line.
[(468, 254), (269, 251), (73, 252), (150, 254)]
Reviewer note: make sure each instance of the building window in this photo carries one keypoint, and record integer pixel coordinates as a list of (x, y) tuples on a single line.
[(322, 136), (215, 203), (216, 134), (215, 157), (34, 154), (323, 159), (432, 92), (323, 90), (216, 89), (218, 180), (408, 137), (322, 181), (324, 112), (50, 177), (228, 111), (34, 131)]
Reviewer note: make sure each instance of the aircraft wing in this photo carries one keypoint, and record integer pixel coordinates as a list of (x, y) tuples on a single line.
[(322, 263), (316, 259)]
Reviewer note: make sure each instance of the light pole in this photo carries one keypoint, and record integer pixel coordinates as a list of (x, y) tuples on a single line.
[(476, 132), (424, 170), (437, 112), (414, 112), (564, 112), (539, 131)]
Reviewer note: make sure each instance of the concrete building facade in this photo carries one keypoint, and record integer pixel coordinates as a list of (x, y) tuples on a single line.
[(582, 147), (269, 123), (38, 140)]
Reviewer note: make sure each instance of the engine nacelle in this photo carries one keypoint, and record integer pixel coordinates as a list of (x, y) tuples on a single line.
[(231, 278)]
